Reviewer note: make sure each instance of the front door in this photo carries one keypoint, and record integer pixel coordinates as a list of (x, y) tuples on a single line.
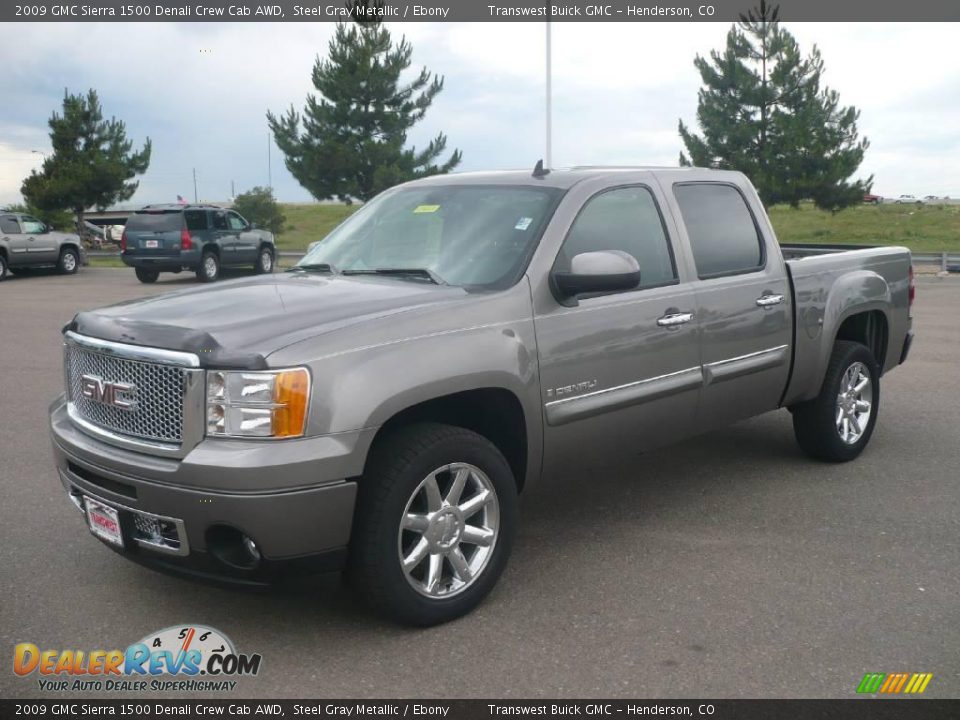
[(40, 244), (247, 239), (619, 372), (226, 237), (744, 303), (14, 241)]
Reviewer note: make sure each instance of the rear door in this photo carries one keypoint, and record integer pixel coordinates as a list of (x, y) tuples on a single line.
[(155, 233), (14, 241), (743, 301), (619, 372)]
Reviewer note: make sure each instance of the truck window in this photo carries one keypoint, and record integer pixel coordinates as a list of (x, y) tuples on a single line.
[(723, 235), (155, 221), (196, 219), (8, 224), (236, 222), (624, 219), (220, 220)]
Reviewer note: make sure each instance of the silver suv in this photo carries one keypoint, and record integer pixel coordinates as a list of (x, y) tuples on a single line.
[(25, 242)]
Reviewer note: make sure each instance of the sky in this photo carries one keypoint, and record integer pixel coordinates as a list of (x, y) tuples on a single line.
[(200, 92)]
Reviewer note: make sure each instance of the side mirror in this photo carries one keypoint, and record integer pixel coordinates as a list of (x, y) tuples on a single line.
[(598, 272)]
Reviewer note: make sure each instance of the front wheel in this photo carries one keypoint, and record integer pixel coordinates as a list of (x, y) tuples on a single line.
[(436, 516), (69, 261), (836, 425), (264, 264)]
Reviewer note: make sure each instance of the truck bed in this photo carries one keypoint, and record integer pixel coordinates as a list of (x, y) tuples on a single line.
[(827, 280)]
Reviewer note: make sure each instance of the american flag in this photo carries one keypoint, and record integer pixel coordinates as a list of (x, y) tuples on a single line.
[(181, 200)]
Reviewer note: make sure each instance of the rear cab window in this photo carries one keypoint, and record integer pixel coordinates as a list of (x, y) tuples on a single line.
[(155, 221), (196, 220), (9, 224), (723, 233)]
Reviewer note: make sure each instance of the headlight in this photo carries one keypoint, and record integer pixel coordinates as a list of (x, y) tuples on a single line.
[(271, 404)]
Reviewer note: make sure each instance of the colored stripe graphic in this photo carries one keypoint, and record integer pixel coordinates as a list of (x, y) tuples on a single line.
[(893, 683)]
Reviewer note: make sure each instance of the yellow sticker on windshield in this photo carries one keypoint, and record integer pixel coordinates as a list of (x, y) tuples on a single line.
[(426, 208)]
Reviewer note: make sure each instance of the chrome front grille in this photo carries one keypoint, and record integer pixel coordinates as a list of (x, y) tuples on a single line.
[(157, 403)]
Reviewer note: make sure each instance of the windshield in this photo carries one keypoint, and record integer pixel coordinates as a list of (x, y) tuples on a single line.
[(466, 235)]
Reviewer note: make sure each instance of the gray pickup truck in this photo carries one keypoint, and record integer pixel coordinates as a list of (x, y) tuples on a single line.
[(26, 243), (459, 339)]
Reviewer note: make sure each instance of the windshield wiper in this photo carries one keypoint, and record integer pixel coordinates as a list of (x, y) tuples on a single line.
[(315, 267), (413, 273)]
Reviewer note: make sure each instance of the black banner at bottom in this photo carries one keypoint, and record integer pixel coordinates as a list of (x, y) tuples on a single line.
[(854, 709)]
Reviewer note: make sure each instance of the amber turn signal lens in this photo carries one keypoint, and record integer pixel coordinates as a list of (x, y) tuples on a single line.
[(291, 394)]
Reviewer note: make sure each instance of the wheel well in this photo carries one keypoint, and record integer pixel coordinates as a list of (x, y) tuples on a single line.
[(70, 246), (494, 413), (867, 328), (210, 248)]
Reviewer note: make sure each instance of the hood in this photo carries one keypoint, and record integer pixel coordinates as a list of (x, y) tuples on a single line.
[(236, 324)]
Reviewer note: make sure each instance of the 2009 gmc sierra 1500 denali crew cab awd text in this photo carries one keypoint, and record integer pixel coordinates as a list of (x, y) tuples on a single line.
[(457, 340)]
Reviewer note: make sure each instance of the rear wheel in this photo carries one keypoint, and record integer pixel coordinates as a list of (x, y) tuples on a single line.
[(69, 261), (209, 269), (264, 262), (3, 266), (836, 425), (436, 516), (145, 275)]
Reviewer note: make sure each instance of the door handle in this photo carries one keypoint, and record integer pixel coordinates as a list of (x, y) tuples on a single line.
[(769, 300), (674, 319)]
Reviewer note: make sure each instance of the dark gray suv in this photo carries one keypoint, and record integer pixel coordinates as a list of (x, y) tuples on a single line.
[(202, 238)]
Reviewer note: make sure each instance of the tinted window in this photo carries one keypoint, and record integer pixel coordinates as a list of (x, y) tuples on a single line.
[(196, 219), (8, 224), (155, 221), (236, 222), (722, 233), (220, 220), (32, 226), (623, 219)]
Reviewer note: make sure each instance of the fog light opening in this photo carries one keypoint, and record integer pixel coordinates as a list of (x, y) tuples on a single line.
[(232, 547)]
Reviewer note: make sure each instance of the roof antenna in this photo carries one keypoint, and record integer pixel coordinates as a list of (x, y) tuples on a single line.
[(539, 171)]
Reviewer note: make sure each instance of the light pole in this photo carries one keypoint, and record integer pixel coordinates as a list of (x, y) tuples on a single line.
[(548, 160), (41, 154)]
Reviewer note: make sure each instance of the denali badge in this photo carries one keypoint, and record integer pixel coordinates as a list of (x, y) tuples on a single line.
[(118, 395)]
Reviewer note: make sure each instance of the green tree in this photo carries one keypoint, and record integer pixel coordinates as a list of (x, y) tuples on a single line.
[(93, 163), (350, 141), (764, 111), (259, 206)]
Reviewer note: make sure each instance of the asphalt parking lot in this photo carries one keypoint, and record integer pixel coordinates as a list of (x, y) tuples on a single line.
[(729, 566)]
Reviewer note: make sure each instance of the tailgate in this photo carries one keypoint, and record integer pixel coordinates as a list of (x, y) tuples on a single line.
[(154, 233)]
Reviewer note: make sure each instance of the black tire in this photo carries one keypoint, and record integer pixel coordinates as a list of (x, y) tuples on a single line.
[(3, 266), (815, 423), (264, 263), (209, 270), (68, 262), (146, 275), (399, 464)]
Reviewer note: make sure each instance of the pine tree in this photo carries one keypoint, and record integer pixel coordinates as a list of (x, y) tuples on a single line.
[(351, 145), (92, 165), (764, 111)]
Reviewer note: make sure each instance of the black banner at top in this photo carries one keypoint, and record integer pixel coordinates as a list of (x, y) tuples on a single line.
[(473, 11)]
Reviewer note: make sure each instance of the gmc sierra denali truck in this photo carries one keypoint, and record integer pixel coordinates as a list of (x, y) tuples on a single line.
[(381, 407)]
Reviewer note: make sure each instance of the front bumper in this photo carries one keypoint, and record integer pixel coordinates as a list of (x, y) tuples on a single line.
[(293, 498)]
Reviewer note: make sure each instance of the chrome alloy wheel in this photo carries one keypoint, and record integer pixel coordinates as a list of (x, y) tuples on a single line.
[(854, 403), (69, 262), (210, 266), (449, 530), (266, 261)]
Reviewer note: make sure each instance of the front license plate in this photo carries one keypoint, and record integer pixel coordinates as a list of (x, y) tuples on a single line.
[(104, 521), (152, 243)]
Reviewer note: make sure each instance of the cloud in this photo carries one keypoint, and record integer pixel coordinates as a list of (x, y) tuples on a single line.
[(201, 92)]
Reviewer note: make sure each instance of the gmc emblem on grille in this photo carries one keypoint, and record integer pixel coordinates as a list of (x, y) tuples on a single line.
[(114, 394)]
